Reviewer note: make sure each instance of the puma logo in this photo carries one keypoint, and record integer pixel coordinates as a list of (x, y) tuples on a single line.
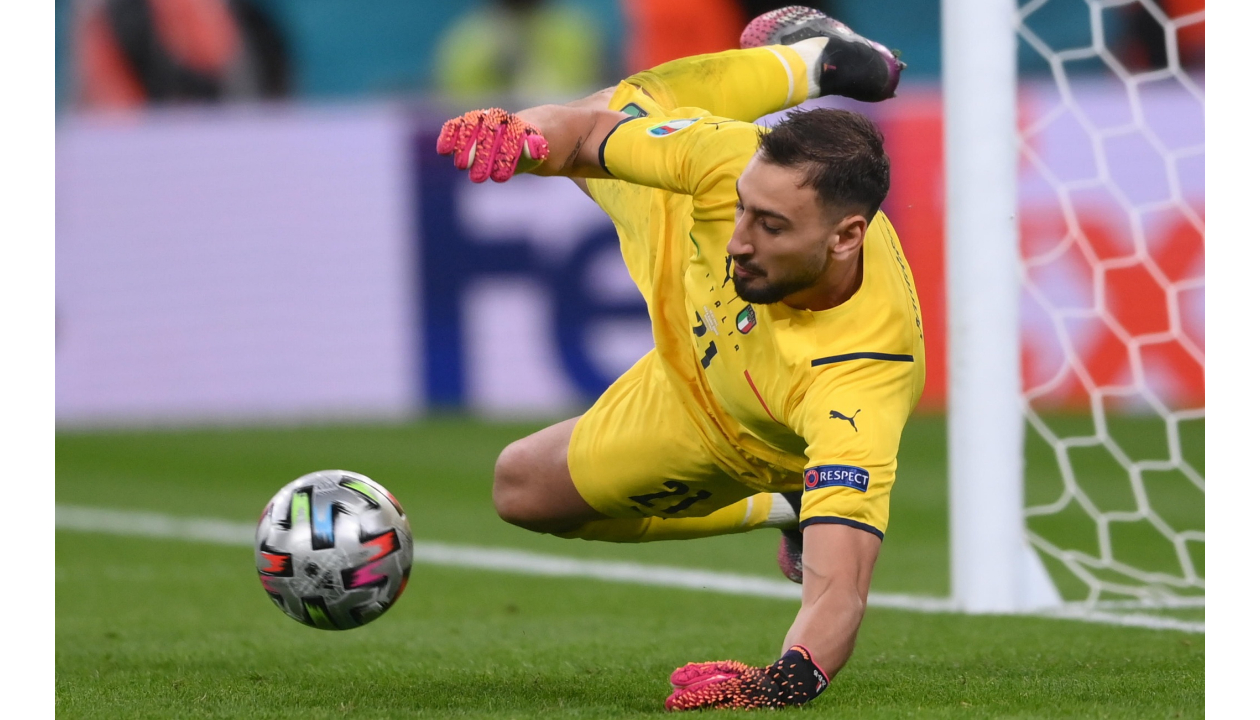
[(848, 418)]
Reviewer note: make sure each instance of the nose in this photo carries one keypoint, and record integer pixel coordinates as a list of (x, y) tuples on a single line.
[(739, 245)]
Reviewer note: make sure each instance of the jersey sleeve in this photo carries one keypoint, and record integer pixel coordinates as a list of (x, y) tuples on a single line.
[(851, 418), (691, 153)]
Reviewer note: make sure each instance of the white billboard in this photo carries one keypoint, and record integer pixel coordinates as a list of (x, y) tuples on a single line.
[(231, 264)]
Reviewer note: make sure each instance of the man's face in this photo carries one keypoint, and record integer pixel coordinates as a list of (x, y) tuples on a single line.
[(782, 238)]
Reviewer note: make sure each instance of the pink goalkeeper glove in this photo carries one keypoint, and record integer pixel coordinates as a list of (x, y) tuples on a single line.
[(793, 680), (492, 144)]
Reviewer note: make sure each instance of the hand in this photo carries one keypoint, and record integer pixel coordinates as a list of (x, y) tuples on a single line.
[(793, 680), (492, 144)]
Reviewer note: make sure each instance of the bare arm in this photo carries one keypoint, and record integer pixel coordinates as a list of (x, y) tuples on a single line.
[(574, 134), (838, 561)]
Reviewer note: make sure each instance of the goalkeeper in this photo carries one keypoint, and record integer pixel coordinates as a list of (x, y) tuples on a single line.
[(788, 346)]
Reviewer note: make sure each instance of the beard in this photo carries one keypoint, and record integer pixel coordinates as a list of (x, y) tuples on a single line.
[(760, 290)]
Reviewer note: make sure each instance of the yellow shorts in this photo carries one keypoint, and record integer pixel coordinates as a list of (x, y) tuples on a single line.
[(641, 450)]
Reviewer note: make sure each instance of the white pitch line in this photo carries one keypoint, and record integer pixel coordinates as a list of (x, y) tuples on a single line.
[(148, 524), (521, 562), (1142, 620)]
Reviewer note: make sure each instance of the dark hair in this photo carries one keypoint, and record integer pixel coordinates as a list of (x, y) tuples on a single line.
[(841, 152)]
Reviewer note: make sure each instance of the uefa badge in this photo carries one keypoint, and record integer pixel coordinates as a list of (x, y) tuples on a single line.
[(811, 478), (670, 127)]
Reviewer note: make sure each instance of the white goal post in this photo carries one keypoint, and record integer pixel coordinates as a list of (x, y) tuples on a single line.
[(993, 569), (1110, 143)]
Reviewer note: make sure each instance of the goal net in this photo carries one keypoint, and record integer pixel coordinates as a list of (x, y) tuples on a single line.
[(1111, 233)]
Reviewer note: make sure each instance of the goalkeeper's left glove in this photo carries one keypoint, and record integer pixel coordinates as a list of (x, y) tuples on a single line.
[(492, 144), (793, 680)]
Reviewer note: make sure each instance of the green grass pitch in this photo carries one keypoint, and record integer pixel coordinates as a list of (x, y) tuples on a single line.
[(164, 628)]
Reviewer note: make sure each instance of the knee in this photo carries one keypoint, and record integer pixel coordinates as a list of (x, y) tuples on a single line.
[(515, 497)]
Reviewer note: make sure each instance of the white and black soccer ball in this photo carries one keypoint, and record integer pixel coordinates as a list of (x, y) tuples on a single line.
[(333, 549)]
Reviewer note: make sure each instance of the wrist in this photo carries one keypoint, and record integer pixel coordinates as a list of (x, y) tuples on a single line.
[(797, 677)]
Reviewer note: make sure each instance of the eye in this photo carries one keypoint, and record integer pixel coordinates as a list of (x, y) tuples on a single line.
[(773, 230), (739, 206)]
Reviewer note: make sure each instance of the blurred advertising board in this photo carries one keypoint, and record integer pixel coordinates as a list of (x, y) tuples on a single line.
[(527, 306), (233, 265), (295, 263)]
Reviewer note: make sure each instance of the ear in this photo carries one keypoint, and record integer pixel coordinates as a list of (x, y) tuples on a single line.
[(848, 236)]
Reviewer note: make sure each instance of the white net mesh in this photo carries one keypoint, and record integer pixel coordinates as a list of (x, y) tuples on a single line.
[(1112, 233)]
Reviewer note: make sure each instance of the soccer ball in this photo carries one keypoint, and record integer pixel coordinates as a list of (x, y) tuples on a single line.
[(333, 549)]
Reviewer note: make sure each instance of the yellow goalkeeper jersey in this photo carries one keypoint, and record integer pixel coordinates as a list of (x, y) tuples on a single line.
[(821, 394)]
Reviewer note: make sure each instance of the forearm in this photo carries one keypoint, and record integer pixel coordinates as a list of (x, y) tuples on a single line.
[(837, 565), (828, 626), (573, 134)]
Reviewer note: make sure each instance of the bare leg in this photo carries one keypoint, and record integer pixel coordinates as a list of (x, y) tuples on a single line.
[(532, 485)]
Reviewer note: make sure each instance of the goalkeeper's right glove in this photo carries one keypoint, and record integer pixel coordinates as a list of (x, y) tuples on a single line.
[(793, 680), (492, 144)]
